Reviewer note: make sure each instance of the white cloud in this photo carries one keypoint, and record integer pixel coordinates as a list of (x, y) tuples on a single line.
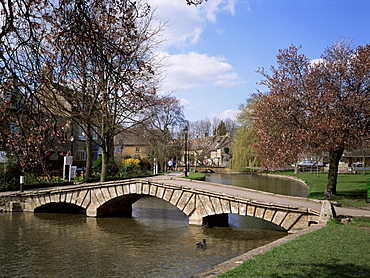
[(187, 71), (185, 23), (183, 101), (227, 114), (316, 61), (212, 8)]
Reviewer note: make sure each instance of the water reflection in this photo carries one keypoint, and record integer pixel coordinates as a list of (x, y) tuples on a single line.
[(156, 242), (260, 182)]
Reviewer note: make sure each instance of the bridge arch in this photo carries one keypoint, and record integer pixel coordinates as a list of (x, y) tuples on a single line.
[(119, 198), (60, 207), (210, 204), (252, 222), (121, 205)]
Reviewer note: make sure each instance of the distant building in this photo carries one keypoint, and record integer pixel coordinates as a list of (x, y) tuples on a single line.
[(131, 143), (357, 158), (211, 150)]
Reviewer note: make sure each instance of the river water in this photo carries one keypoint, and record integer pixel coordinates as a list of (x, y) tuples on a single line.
[(156, 242), (260, 182)]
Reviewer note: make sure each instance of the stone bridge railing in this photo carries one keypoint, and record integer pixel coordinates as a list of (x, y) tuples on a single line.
[(202, 207)]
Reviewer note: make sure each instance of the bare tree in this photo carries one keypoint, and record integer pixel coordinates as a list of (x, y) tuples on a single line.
[(201, 128), (30, 130), (104, 57), (163, 129), (208, 127)]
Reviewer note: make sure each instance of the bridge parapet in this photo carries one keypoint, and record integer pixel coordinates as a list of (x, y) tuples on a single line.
[(201, 206)]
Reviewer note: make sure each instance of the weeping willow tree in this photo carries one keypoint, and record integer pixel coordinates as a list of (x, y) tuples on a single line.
[(243, 151)]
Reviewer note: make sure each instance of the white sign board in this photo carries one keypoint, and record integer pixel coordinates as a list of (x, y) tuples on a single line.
[(72, 172), (68, 160)]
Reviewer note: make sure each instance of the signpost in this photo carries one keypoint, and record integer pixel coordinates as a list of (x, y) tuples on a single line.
[(155, 166), (68, 160)]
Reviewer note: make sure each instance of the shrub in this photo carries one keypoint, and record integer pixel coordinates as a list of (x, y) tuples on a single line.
[(9, 178), (131, 161), (97, 165), (129, 167)]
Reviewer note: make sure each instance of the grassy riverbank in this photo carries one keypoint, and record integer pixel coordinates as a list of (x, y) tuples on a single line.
[(195, 176), (337, 250), (351, 188)]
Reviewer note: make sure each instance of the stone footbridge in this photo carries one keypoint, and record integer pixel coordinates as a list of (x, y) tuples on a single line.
[(202, 206)]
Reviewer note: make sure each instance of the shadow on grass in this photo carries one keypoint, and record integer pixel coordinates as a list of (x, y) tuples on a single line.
[(353, 194), (356, 181), (332, 270), (316, 195)]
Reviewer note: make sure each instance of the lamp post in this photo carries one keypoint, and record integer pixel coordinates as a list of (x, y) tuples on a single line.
[(186, 150)]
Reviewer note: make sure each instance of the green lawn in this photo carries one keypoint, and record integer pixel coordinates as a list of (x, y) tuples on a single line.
[(351, 188), (336, 250), (195, 176)]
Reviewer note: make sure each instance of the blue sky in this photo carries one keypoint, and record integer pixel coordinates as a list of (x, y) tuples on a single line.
[(213, 50)]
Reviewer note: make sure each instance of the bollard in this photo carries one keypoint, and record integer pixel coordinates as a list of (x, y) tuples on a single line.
[(21, 183)]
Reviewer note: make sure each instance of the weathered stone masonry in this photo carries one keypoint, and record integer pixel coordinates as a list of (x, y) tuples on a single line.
[(199, 205)]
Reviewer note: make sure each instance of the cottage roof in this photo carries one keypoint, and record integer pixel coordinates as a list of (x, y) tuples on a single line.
[(128, 138), (132, 137), (358, 153), (210, 143)]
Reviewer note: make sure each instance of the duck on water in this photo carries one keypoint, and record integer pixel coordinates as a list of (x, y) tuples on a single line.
[(202, 244)]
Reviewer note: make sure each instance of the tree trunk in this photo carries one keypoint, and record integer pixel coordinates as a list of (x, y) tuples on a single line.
[(334, 158), (89, 154), (107, 155), (104, 164)]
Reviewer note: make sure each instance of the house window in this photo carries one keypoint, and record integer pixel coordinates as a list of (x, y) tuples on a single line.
[(81, 134), (117, 149), (82, 155), (138, 149)]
